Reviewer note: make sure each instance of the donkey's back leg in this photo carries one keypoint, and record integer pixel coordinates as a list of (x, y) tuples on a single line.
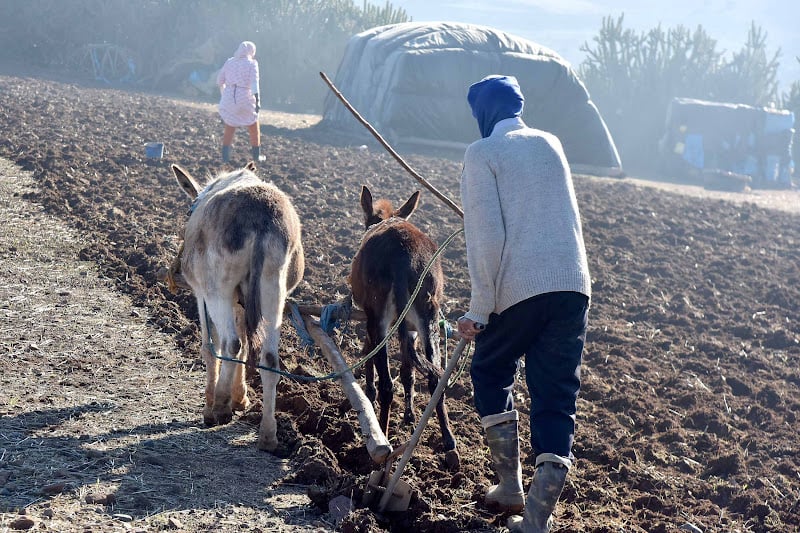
[(407, 357), (273, 298), (229, 346), (376, 331), (239, 399)]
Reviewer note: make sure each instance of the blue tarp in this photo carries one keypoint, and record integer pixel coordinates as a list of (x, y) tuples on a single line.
[(742, 139)]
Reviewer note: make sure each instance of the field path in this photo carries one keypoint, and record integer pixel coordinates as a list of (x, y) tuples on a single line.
[(111, 404)]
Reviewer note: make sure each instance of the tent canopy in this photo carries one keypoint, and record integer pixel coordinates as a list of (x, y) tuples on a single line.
[(410, 82)]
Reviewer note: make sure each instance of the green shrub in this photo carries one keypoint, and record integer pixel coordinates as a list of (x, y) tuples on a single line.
[(167, 40)]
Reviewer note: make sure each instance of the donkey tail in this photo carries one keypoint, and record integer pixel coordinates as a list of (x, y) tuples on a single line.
[(401, 298), (252, 303)]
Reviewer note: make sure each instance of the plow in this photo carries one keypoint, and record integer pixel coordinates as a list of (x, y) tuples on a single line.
[(385, 490)]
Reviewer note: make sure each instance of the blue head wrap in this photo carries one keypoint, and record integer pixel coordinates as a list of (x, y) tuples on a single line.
[(493, 99)]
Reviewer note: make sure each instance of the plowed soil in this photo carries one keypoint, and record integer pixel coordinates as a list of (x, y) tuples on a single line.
[(687, 418)]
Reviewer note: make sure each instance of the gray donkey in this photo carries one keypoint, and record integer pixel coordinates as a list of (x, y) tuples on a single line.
[(242, 256)]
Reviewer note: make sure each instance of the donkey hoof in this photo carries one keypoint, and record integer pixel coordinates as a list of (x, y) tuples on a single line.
[(453, 460), (223, 416), (208, 416), (409, 419), (267, 444), (242, 405)]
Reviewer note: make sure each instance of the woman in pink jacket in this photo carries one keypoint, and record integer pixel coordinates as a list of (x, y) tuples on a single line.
[(239, 103)]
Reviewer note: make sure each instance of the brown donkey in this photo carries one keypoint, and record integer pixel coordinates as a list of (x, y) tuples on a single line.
[(241, 255), (384, 274)]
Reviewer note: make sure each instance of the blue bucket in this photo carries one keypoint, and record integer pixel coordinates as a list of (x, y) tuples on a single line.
[(154, 150)]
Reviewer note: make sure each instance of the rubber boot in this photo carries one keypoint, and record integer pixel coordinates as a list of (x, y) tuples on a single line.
[(549, 479), (255, 152), (503, 439), (226, 154)]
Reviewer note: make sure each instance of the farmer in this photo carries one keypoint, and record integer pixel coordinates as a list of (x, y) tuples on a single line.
[(239, 103), (530, 296)]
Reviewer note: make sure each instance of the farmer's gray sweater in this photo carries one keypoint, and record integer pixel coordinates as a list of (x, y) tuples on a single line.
[(521, 220)]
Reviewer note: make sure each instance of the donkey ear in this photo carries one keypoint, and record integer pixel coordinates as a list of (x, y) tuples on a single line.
[(366, 200), (186, 181), (408, 207), (251, 166)]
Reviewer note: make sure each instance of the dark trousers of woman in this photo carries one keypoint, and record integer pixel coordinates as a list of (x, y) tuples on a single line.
[(549, 330)]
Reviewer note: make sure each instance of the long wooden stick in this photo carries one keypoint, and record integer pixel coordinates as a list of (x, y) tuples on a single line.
[(412, 442), (378, 446), (391, 150)]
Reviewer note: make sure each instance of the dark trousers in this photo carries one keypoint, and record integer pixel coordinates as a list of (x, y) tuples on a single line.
[(550, 331)]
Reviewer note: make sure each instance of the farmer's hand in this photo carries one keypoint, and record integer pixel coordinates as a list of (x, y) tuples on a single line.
[(468, 329)]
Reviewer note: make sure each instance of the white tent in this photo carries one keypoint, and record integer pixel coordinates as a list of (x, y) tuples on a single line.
[(410, 82)]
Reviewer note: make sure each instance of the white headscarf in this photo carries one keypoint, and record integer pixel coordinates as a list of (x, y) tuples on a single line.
[(247, 49)]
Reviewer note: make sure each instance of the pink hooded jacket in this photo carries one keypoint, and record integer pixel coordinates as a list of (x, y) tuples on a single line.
[(238, 82)]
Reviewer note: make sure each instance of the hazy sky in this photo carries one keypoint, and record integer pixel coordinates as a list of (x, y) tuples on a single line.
[(564, 25)]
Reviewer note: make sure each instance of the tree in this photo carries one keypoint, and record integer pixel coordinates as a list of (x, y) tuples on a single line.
[(169, 40)]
